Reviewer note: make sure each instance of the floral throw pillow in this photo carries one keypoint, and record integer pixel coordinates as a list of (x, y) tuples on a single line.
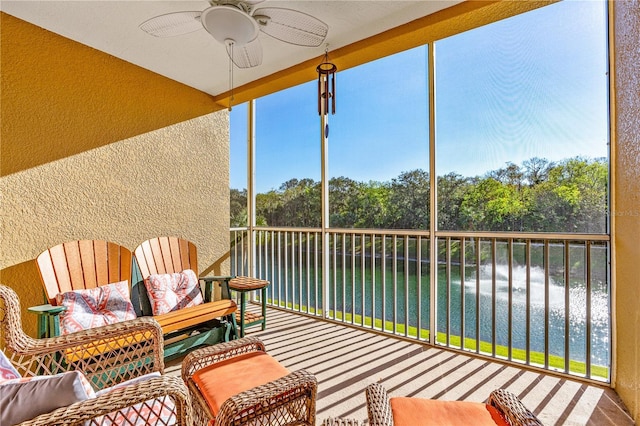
[(7, 370), (95, 307), (170, 292)]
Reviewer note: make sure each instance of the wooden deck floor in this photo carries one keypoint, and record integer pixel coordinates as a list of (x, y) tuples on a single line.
[(346, 360)]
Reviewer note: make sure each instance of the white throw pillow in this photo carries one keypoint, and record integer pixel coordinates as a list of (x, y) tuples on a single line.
[(25, 398)]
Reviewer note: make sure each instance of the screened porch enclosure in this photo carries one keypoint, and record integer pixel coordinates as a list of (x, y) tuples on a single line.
[(461, 197)]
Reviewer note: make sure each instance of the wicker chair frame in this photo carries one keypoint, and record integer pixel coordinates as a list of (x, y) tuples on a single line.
[(290, 400), (516, 414), (107, 356)]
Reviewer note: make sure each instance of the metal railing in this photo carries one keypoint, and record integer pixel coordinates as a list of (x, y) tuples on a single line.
[(537, 299)]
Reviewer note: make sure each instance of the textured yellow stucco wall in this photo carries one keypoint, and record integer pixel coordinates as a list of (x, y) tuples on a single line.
[(61, 98), (96, 148), (626, 201)]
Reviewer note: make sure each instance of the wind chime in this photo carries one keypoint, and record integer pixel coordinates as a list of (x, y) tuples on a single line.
[(326, 85)]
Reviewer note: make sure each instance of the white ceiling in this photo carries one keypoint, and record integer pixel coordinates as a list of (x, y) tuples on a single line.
[(196, 59)]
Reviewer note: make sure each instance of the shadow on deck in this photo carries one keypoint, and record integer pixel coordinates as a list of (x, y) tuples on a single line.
[(346, 360)]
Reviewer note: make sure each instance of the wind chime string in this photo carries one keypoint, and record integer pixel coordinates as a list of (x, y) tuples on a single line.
[(231, 44)]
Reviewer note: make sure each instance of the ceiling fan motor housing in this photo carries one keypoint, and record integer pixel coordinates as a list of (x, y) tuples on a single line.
[(229, 23)]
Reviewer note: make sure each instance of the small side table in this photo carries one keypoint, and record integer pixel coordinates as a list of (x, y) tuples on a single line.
[(243, 285)]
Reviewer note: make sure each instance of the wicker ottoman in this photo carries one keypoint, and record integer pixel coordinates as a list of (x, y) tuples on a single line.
[(239, 383)]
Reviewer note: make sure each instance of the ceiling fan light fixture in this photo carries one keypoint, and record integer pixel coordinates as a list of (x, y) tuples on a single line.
[(226, 22)]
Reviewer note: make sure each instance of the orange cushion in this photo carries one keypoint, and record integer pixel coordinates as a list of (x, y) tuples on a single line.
[(428, 412), (220, 381)]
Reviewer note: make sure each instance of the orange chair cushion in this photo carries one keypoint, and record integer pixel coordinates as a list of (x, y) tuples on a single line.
[(428, 412), (220, 381)]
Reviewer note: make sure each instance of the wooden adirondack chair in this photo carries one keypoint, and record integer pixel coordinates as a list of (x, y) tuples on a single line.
[(88, 264), (205, 324), (78, 265)]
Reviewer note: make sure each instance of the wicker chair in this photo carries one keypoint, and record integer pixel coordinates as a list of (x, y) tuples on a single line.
[(508, 405), (288, 400), (107, 356)]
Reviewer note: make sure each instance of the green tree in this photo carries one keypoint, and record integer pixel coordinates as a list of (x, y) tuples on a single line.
[(493, 206), (268, 206), (409, 201), (573, 198), (536, 170), (238, 207), (539, 196), (452, 189), (373, 205), (344, 195), (296, 203)]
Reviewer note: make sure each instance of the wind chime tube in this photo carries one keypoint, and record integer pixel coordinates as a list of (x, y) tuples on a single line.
[(319, 94), (333, 93), (326, 94)]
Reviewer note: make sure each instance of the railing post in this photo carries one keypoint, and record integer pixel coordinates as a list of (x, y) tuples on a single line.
[(251, 195), (433, 183), (324, 126)]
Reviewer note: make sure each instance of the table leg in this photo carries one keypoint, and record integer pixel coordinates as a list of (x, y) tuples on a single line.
[(43, 326), (242, 293), (264, 308)]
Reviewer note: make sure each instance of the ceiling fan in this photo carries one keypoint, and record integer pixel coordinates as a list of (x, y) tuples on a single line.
[(236, 24)]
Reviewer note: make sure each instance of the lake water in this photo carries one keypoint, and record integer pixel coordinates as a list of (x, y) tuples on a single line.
[(344, 295)]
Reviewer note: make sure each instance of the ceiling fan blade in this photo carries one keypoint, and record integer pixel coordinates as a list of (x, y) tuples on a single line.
[(246, 56), (172, 24), (291, 26)]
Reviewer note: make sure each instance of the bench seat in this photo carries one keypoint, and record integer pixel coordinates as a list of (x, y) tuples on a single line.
[(194, 315), (203, 325)]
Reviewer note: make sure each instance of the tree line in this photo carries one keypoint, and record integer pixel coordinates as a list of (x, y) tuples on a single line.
[(537, 196)]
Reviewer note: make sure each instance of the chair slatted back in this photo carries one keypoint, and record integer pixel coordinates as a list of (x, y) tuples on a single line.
[(166, 255), (83, 264)]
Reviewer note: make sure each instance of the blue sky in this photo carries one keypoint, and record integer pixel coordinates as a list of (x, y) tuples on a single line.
[(529, 86)]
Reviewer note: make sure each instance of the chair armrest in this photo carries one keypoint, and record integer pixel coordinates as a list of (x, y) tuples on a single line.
[(217, 278), (47, 309), (208, 286), (136, 344), (208, 355), (170, 391), (512, 409), (378, 405), (290, 399)]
